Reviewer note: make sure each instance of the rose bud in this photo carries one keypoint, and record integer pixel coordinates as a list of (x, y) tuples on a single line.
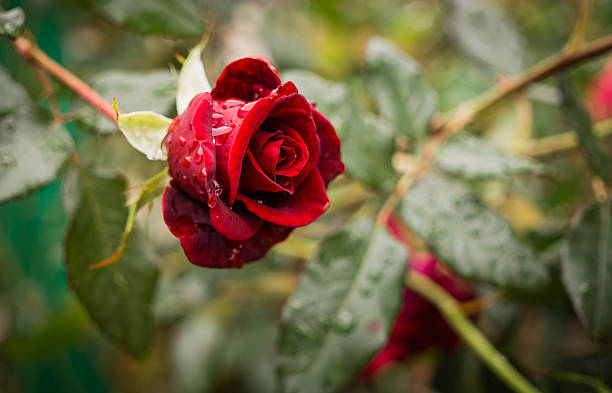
[(600, 94), (419, 326), (249, 162)]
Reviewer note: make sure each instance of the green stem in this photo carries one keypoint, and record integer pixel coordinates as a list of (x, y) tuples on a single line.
[(594, 383), (451, 311), (468, 111)]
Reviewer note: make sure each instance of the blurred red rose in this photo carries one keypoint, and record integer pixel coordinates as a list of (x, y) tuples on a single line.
[(600, 94), (419, 326), (249, 162)]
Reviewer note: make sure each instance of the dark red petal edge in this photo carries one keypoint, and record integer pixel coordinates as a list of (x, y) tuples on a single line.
[(330, 159), (203, 245), (307, 204), (249, 78)]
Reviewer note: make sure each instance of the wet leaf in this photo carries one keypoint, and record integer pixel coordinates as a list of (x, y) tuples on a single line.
[(196, 347), (145, 131), (341, 312), (13, 95), (179, 18), (368, 142), (484, 31), (400, 94), (192, 79), (587, 268), (12, 22), (32, 153), (580, 121), (118, 297), (470, 238), (472, 157), (135, 91)]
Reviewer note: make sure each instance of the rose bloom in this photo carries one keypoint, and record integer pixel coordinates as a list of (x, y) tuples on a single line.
[(249, 162), (600, 94), (419, 326)]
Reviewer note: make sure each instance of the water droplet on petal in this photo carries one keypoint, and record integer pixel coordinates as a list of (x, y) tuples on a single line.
[(216, 131), (244, 109), (182, 140), (218, 188), (186, 161)]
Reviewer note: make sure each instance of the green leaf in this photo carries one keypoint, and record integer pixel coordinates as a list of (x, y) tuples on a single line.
[(145, 131), (178, 18), (485, 32), (12, 22), (472, 157), (341, 312), (587, 268), (196, 347), (13, 95), (368, 143), (367, 154), (401, 95), (473, 240), (135, 91), (192, 79), (578, 118), (117, 297), (32, 153)]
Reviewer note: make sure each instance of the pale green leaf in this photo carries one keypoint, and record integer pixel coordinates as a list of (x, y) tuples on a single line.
[(145, 131), (192, 78)]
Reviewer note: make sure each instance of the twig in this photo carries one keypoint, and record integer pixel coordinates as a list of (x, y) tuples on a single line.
[(47, 86), (450, 308), (30, 52), (467, 112)]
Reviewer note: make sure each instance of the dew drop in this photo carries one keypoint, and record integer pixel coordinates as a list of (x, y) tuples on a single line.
[(186, 162), (216, 131), (194, 144), (375, 275), (182, 140), (203, 175), (345, 322), (212, 202), (244, 109), (218, 188), (365, 291)]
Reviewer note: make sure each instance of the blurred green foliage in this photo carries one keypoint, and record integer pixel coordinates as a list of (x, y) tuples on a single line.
[(216, 331)]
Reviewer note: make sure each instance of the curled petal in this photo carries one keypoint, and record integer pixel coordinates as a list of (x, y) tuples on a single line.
[(249, 79), (306, 205), (330, 163), (189, 220)]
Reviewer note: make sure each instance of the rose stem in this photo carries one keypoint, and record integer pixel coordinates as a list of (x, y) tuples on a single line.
[(450, 308), (30, 52)]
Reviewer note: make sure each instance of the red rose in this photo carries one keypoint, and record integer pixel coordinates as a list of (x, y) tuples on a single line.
[(600, 94), (249, 162), (419, 326)]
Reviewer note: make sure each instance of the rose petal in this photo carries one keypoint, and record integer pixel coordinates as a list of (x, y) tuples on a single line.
[(191, 151), (255, 179), (307, 204), (234, 226), (230, 154), (330, 163), (188, 220), (249, 79), (296, 112)]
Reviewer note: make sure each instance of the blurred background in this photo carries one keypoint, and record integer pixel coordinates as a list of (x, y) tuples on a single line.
[(216, 330)]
